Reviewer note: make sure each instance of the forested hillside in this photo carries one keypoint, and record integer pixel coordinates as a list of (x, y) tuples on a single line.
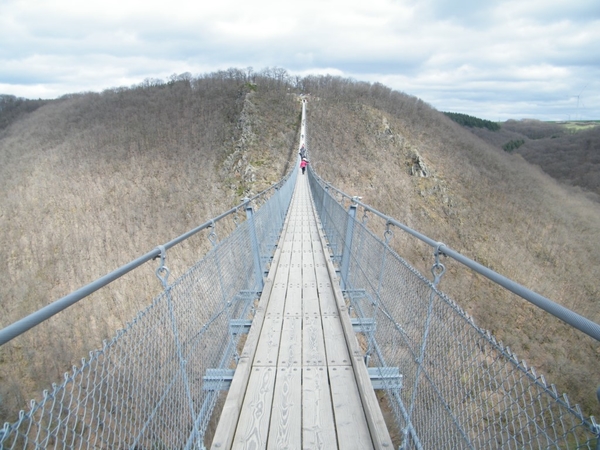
[(94, 180), (567, 151)]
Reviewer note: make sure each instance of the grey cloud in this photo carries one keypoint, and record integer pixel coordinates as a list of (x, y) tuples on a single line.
[(483, 56)]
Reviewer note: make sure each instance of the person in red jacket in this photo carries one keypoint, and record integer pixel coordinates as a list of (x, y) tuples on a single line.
[(303, 164)]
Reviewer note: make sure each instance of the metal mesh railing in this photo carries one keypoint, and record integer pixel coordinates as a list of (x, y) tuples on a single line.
[(145, 388), (460, 388)]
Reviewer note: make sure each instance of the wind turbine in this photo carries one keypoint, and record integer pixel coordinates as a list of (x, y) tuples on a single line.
[(578, 98)]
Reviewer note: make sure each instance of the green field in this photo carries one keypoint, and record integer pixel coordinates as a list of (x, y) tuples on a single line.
[(579, 125)]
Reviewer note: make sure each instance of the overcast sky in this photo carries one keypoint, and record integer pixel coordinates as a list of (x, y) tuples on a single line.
[(495, 59)]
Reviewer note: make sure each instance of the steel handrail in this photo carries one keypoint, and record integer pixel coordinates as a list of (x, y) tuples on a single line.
[(577, 321), (21, 326)]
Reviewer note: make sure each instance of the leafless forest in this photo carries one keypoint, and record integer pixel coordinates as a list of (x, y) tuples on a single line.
[(568, 151), (91, 181)]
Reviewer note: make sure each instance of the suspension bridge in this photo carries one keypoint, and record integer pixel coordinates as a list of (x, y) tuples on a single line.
[(302, 329)]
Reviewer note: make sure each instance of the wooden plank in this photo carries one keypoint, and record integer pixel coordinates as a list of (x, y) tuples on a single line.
[(350, 421), (324, 285), (308, 269), (326, 298), (335, 342), (318, 425), (310, 304), (313, 344), (276, 302), (295, 276), (285, 430), (228, 420), (310, 301), (294, 285), (379, 431), (293, 301), (310, 295), (290, 348), (253, 427), (268, 344)]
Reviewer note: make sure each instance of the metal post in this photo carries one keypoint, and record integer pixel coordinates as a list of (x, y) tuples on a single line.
[(279, 206), (323, 218), (255, 248), (348, 245)]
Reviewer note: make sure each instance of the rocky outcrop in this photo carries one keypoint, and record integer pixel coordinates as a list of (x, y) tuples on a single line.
[(237, 166), (416, 164)]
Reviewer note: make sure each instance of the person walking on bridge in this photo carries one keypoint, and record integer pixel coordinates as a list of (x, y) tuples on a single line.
[(303, 164), (302, 152)]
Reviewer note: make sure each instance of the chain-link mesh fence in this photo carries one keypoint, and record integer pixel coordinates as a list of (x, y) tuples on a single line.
[(145, 388), (459, 387)]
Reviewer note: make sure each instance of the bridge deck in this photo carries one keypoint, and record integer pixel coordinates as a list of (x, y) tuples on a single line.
[(301, 381)]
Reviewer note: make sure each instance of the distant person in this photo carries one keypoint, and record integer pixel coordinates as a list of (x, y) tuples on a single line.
[(303, 164), (302, 151)]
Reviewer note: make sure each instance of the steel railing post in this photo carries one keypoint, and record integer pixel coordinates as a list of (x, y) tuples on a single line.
[(255, 248), (323, 217), (347, 246)]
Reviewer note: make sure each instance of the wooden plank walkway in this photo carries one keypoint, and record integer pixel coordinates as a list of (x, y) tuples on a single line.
[(301, 381)]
